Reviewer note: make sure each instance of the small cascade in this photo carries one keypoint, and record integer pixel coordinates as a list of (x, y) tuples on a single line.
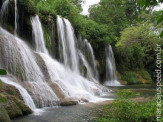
[(42, 94), (25, 95), (38, 35), (111, 77), (16, 17), (69, 46), (4, 11), (19, 60), (87, 50), (89, 70), (71, 82), (68, 53)]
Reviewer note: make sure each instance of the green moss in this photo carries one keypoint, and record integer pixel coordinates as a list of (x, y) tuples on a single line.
[(48, 41), (3, 99), (131, 77), (83, 70), (25, 110), (13, 110), (4, 117)]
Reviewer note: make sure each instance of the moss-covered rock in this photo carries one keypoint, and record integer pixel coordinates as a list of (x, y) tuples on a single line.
[(11, 103), (16, 105), (4, 117), (13, 110), (3, 98)]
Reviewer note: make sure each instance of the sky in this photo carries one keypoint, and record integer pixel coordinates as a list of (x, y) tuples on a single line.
[(91, 2), (87, 4)]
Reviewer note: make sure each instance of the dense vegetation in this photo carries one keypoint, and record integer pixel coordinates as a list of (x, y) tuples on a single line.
[(125, 109), (132, 30)]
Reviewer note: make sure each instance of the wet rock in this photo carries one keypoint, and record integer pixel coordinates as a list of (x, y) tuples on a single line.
[(68, 101), (57, 90), (83, 100), (43, 67), (13, 104), (4, 117)]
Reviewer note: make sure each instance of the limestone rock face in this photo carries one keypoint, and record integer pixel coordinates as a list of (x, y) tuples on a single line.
[(57, 90), (67, 101)]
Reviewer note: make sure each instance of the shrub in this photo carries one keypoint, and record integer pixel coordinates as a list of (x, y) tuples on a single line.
[(146, 76), (127, 110), (130, 77), (125, 94)]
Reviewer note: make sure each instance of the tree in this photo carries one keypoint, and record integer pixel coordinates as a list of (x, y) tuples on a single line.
[(148, 3), (136, 47), (110, 13)]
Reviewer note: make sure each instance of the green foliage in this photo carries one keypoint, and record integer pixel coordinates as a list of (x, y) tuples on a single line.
[(46, 7), (125, 94), (146, 76), (3, 99), (136, 46), (124, 109), (127, 110), (131, 77), (113, 15), (148, 3), (3, 72), (28, 6)]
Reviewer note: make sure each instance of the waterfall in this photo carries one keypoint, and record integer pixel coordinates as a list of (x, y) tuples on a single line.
[(38, 35), (111, 77), (19, 60), (69, 79), (71, 82), (89, 70), (69, 46), (87, 50), (37, 69), (4, 11), (25, 95), (16, 16), (68, 53)]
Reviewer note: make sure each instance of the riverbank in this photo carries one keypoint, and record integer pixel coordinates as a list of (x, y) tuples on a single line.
[(89, 112)]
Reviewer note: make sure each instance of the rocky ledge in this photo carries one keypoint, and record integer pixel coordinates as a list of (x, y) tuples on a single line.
[(11, 103)]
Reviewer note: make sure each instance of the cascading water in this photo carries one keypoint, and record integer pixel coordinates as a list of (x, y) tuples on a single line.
[(67, 45), (25, 95), (111, 77), (38, 35), (4, 11), (88, 68), (87, 50), (70, 81), (19, 60)]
